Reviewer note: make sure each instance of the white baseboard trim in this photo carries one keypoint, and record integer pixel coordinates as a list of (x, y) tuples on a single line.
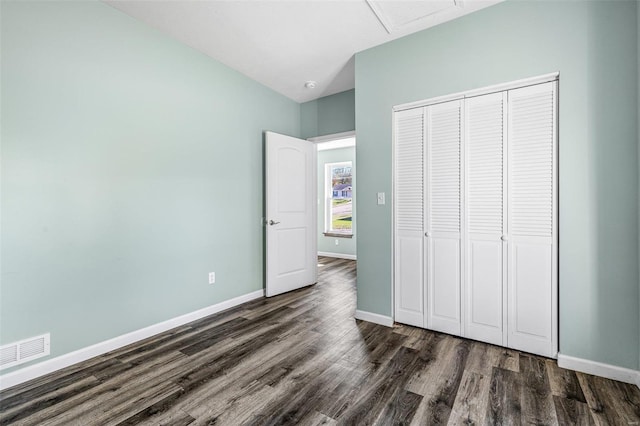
[(609, 371), (374, 318), (337, 255), (48, 366)]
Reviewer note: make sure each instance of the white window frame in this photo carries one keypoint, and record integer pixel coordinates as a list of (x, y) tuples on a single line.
[(328, 197)]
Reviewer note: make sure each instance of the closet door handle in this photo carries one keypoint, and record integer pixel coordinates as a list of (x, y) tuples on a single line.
[(427, 234), (504, 238)]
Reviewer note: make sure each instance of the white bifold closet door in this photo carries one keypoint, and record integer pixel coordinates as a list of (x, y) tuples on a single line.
[(486, 252), (408, 217), (443, 196), (532, 227), (475, 216)]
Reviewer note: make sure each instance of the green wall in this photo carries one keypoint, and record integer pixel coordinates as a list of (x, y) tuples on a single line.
[(594, 47), (131, 167), (327, 244), (328, 115)]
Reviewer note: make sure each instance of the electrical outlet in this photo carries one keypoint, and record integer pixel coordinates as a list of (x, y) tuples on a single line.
[(212, 277), (337, 242)]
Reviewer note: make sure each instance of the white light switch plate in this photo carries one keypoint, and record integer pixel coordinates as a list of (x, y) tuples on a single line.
[(380, 198)]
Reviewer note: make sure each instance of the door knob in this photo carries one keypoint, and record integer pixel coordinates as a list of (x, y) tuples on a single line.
[(271, 222), (427, 234), (504, 238)]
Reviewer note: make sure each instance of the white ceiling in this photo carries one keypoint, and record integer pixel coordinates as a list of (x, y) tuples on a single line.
[(284, 43)]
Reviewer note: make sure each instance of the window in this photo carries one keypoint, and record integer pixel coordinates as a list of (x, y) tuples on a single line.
[(339, 198)]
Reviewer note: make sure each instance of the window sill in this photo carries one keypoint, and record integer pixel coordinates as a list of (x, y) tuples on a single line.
[(337, 235)]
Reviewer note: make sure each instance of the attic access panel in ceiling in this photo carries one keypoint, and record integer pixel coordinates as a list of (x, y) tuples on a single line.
[(396, 15)]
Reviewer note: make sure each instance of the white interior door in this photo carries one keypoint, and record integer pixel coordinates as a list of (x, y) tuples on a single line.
[(533, 267), (444, 216), (485, 272), (291, 252)]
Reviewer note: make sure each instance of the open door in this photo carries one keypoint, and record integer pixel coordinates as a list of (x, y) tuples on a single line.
[(290, 221)]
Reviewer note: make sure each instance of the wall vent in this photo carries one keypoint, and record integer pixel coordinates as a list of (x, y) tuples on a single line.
[(24, 351)]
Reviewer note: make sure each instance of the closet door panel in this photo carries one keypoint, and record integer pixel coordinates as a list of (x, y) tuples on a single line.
[(445, 278), (531, 285), (444, 214), (485, 292), (532, 279), (485, 217), (408, 217), (410, 292)]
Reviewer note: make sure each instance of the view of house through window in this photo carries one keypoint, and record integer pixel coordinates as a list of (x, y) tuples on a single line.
[(339, 192)]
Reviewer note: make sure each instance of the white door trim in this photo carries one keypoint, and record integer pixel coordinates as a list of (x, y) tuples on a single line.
[(332, 137), (480, 91)]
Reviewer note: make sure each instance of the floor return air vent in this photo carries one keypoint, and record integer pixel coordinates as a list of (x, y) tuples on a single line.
[(24, 351)]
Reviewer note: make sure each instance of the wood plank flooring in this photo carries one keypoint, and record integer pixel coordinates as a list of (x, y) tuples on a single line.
[(301, 359)]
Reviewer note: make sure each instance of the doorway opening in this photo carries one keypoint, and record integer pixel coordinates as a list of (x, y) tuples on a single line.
[(337, 188)]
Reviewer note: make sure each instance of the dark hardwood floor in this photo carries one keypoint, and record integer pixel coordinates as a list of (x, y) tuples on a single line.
[(301, 358)]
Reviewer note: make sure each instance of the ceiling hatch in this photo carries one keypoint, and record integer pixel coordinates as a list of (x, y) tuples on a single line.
[(395, 15)]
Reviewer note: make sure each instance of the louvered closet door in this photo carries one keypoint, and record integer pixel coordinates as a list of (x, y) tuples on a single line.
[(532, 264), (408, 215), (486, 253), (443, 218)]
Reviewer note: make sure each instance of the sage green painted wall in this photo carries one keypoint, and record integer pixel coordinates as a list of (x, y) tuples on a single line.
[(594, 47), (327, 244), (309, 119), (328, 115), (131, 167)]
